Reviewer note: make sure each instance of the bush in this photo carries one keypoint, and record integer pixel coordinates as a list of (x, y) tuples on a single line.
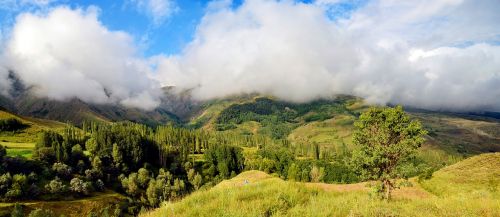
[(56, 186), (17, 211), (62, 170), (41, 213), (79, 186), (3, 152), (426, 175), (99, 184), (5, 181), (45, 154), (11, 124)]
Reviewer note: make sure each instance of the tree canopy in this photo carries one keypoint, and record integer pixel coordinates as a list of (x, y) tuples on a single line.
[(386, 137)]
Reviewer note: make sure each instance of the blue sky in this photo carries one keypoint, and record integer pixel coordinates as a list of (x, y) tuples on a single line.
[(167, 37)]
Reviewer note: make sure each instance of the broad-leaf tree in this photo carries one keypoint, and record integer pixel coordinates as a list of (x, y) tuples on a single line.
[(386, 137)]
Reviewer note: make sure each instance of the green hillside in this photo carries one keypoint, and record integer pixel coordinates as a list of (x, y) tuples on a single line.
[(329, 124), (21, 142), (32, 127), (254, 193), (478, 176)]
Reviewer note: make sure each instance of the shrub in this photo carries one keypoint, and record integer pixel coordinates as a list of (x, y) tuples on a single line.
[(3, 152), (11, 124), (99, 184), (62, 170), (5, 181), (79, 186), (427, 174), (41, 213), (56, 186), (17, 211)]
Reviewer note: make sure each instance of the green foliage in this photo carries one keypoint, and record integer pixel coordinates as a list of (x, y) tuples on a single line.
[(41, 213), (17, 211), (3, 152), (426, 175), (18, 186), (56, 186), (293, 172), (317, 174), (79, 186), (153, 190), (197, 181), (62, 170), (11, 124), (143, 177), (386, 137), (221, 161), (278, 118), (279, 158)]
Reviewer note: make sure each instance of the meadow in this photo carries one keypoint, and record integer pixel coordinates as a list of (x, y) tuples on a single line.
[(24, 149), (468, 188)]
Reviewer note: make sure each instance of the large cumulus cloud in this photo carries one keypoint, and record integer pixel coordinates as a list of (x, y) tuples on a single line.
[(428, 54), (68, 53)]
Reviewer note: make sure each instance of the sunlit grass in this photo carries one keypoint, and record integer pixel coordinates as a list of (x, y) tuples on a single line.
[(19, 149), (255, 193)]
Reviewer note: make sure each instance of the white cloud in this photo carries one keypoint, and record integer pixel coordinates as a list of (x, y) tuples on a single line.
[(328, 2), (69, 53), (4, 82), (158, 10), (294, 51), (428, 54), (15, 5)]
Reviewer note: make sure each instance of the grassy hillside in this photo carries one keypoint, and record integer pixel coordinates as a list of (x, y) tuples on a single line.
[(478, 176), (30, 132), (255, 193), (206, 116), (22, 142)]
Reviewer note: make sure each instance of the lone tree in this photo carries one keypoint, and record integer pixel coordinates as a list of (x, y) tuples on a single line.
[(386, 137)]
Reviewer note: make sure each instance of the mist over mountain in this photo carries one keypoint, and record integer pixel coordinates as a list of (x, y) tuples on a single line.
[(439, 55), (174, 107)]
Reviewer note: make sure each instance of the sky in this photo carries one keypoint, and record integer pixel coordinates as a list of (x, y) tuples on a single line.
[(431, 54)]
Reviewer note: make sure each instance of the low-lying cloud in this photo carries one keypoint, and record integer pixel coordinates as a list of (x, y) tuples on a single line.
[(428, 54)]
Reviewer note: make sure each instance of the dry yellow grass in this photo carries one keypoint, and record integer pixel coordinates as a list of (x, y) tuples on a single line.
[(255, 193)]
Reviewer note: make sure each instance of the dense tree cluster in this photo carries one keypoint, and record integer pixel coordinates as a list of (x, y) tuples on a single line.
[(148, 165), (223, 161), (279, 159), (11, 124)]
